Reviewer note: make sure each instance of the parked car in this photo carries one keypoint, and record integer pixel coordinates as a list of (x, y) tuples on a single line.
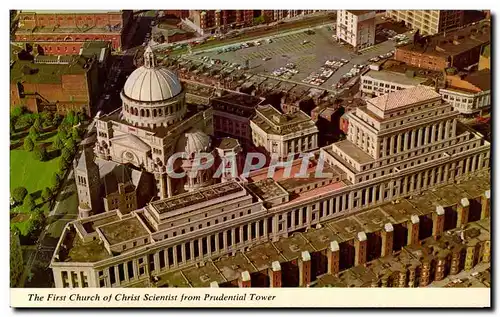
[(266, 58)]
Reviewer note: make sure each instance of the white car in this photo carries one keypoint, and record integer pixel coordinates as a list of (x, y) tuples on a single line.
[(266, 58)]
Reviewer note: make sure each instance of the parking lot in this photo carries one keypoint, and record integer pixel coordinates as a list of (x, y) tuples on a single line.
[(308, 52)]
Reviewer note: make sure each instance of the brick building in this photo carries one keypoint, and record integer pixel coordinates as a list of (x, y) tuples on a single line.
[(211, 21), (54, 83), (356, 27), (460, 48), (63, 32)]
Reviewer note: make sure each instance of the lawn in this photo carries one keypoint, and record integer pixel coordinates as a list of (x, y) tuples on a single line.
[(30, 173)]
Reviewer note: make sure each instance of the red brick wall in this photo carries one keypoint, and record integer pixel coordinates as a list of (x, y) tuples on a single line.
[(76, 40), (72, 92), (30, 20), (420, 60)]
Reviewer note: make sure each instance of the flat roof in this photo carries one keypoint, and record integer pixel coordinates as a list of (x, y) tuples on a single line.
[(281, 123), (353, 151), (193, 198), (395, 77), (267, 189), (91, 251), (123, 230), (26, 71)]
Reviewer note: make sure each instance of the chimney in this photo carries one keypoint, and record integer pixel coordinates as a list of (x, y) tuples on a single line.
[(121, 188), (486, 251), (463, 212), (438, 222), (245, 280), (485, 204), (440, 267), (360, 244), (413, 229), (275, 274), (387, 239), (304, 269), (333, 256), (455, 260)]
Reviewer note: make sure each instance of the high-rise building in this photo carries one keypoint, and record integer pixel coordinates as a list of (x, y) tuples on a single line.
[(356, 27), (429, 21)]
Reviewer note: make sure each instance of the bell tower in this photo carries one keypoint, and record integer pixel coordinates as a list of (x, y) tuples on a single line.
[(87, 181)]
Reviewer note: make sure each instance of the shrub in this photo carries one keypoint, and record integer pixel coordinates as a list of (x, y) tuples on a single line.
[(62, 133), (19, 193), (29, 202), (75, 134), (63, 164), (28, 144), (40, 153), (70, 117), (47, 118), (56, 120)]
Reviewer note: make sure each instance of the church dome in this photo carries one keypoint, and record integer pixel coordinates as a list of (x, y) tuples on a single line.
[(197, 142), (151, 83)]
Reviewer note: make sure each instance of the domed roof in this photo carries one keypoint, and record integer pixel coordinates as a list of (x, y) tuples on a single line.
[(197, 142), (151, 83)]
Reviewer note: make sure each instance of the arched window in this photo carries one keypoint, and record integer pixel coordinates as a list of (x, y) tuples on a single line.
[(159, 112), (142, 112), (126, 108), (154, 113), (147, 113)]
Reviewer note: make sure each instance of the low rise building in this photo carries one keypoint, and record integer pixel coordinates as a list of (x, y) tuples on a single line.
[(468, 93), (64, 32), (379, 82), (459, 48), (283, 134), (356, 27), (55, 83), (484, 59)]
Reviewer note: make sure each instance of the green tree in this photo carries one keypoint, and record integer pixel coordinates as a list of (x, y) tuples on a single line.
[(40, 153), (75, 134), (25, 120), (58, 144), (81, 116), (62, 133), (37, 124), (46, 194), (34, 134), (47, 118), (63, 164), (70, 117), (71, 145), (29, 202), (17, 111), (19, 193), (28, 144), (56, 119), (66, 154)]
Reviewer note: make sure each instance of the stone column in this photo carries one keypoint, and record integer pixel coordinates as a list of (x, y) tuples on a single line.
[(392, 148), (433, 133), (387, 239), (462, 212), (426, 135), (420, 135), (413, 136), (244, 280), (438, 222), (333, 256), (169, 186), (440, 131), (485, 204), (447, 129), (275, 274), (304, 269), (360, 245), (413, 230)]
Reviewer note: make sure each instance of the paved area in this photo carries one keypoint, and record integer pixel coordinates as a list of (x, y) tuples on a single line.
[(291, 48)]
